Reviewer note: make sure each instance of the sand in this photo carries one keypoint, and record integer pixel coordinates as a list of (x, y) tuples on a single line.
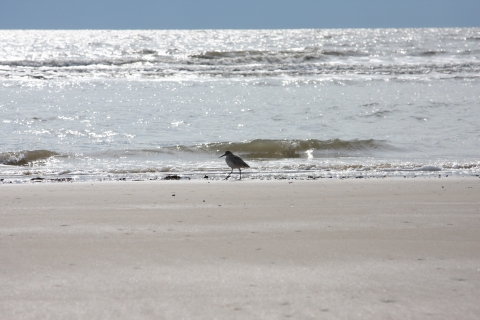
[(329, 249)]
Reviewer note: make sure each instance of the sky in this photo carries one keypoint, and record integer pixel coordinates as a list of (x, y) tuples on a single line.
[(237, 14)]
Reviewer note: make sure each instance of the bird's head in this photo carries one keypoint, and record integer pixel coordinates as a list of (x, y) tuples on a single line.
[(226, 154)]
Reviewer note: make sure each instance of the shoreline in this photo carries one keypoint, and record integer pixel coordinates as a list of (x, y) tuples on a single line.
[(330, 248), (305, 176)]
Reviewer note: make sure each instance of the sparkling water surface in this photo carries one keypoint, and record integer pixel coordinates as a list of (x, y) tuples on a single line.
[(94, 105)]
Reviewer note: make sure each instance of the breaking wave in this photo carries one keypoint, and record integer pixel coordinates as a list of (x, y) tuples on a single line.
[(271, 57), (138, 68), (62, 63), (21, 158), (282, 149)]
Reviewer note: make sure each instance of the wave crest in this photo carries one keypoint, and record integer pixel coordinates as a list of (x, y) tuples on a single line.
[(280, 149), (21, 158)]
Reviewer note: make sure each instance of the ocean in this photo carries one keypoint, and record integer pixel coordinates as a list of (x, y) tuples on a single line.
[(94, 105)]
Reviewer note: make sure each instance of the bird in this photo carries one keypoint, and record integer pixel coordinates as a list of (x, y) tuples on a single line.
[(234, 162)]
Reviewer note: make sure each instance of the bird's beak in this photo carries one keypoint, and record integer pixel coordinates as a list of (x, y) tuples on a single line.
[(223, 155)]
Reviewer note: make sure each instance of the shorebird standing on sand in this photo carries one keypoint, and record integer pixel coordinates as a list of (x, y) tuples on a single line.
[(234, 162)]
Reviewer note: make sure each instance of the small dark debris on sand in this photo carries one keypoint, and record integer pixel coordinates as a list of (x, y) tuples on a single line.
[(62, 179), (38, 179), (172, 177)]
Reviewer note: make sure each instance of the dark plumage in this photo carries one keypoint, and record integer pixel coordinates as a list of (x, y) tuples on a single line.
[(234, 162)]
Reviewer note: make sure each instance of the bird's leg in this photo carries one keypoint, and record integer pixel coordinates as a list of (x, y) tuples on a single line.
[(240, 173), (229, 174)]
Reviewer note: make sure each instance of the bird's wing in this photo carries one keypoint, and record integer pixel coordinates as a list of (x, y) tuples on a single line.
[(240, 161)]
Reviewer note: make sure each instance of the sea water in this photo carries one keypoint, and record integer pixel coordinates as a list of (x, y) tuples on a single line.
[(109, 105)]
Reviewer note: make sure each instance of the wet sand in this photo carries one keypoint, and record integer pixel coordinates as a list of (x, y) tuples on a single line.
[(330, 249)]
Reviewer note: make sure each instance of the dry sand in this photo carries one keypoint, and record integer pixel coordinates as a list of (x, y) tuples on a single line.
[(325, 249)]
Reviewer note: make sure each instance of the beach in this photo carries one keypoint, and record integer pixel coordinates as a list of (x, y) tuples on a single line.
[(328, 248), (360, 199)]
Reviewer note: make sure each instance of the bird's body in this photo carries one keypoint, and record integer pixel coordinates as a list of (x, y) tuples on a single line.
[(234, 162)]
